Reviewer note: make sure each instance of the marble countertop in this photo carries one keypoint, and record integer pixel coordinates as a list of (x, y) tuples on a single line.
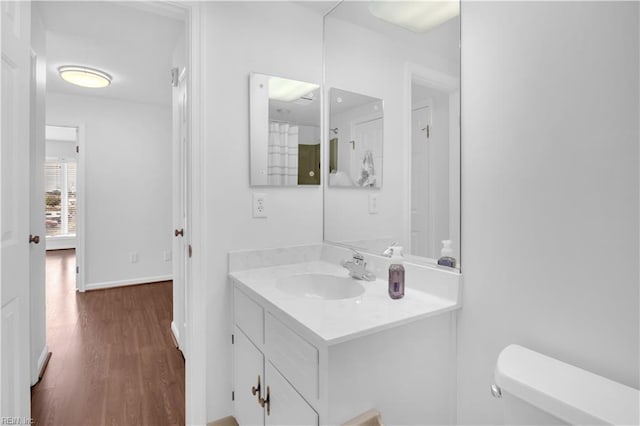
[(330, 322)]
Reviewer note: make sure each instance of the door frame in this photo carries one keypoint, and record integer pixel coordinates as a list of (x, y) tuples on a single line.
[(414, 73), (195, 366), (80, 198), (195, 315)]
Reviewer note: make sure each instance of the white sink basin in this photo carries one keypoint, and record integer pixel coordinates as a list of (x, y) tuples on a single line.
[(321, 286)]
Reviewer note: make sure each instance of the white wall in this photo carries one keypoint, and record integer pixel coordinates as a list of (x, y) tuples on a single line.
[(275, 38), (127, 185), (549, 190), (372, 64), (309, 135)]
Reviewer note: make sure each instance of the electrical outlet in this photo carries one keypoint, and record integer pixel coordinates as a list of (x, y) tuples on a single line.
[(133, 257), (259, 204), (167, 256), (373, 203)]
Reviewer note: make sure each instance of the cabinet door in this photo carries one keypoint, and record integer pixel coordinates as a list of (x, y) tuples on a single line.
[(248, 366), (286, 406)]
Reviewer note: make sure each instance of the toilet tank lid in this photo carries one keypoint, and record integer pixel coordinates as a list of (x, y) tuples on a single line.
[(570, 393)]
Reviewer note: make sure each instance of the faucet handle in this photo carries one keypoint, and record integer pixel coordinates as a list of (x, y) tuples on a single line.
[(389, 251)]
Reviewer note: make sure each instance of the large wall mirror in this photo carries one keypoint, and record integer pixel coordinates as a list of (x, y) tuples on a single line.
[(284, 131), (407, 56)]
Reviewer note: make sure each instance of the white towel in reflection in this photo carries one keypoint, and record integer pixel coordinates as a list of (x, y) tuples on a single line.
[(367, 174)]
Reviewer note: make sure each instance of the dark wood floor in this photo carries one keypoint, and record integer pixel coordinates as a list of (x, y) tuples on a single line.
[(113, 362)]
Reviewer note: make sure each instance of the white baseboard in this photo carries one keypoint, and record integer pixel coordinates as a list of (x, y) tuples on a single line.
[(41, 360), (122, 283), (176, 333)]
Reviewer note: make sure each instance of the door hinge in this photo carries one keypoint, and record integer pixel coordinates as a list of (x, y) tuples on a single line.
[(77, 149), (233, 396), (428, 131), (77, 269), (190, 250), (233, 340)]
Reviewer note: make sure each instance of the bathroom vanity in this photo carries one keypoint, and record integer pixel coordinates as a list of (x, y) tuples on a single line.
[(314, 346)]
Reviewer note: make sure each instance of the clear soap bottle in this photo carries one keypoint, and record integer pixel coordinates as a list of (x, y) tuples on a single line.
[(396, 274), (446, 255)]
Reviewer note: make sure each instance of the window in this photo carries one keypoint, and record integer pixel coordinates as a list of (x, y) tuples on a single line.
[(60, 198)]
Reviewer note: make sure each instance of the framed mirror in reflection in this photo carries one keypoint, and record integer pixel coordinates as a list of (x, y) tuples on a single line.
[(415, 67), (284, 131), (355, 140)]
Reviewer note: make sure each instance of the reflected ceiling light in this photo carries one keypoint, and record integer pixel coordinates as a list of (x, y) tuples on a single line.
[(286, 90), (85, 77), (417, 16)]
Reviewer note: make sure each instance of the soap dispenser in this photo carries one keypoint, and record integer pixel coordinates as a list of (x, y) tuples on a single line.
[(446, 255), (396, 273)]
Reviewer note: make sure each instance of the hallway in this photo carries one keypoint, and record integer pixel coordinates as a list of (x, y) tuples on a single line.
[(114, 361)]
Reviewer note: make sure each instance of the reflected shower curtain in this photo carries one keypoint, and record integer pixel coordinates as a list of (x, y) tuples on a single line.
[(282, 165)]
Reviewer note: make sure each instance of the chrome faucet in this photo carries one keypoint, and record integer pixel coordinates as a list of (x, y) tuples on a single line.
[(389, 251), (358, 267)]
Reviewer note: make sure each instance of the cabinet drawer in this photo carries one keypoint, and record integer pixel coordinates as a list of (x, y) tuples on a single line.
[(249, 316), (293, 356)]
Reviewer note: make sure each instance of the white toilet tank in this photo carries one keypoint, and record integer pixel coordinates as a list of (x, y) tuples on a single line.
[(539, 390)]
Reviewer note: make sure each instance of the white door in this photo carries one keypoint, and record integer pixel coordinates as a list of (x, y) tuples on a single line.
[(366, 136), (180, 217), (14, 209), (248, 370), (420, 134), (38, 338)]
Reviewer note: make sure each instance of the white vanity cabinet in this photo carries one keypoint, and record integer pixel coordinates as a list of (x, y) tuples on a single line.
[(262, 395), (406, 372)]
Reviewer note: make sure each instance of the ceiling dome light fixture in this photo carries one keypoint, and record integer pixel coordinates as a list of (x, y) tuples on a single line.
[(85, 77)]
